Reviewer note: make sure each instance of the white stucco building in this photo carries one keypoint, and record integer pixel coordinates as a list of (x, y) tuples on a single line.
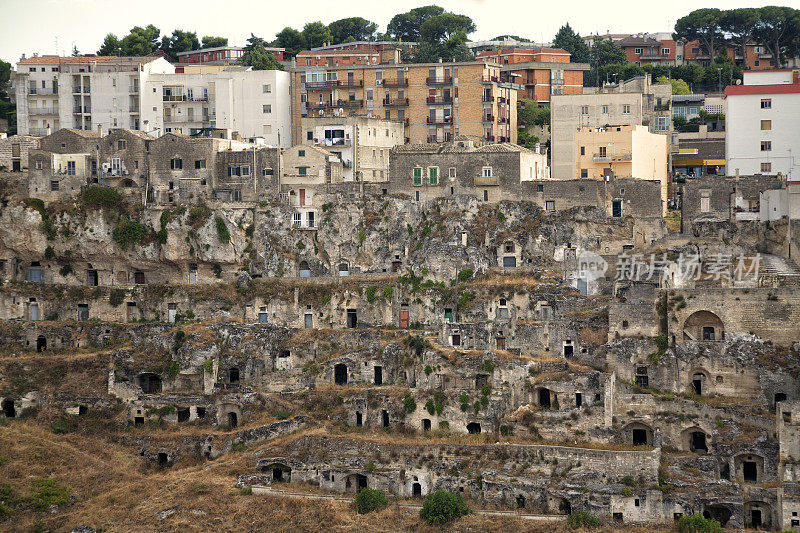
[(254, 103), (761, 124)]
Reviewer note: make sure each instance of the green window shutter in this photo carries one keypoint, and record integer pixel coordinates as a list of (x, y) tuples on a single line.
[(433, 174), (417, 176)]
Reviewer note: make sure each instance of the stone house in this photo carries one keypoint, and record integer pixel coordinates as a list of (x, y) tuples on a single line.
[(307, 172)]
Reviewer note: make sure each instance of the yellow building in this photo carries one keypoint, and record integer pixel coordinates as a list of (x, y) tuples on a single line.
[(622, 152)]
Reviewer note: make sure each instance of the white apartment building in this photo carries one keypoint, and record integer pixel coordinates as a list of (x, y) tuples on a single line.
[(362, 143), (761, 124), (254, 103), (84, 92)]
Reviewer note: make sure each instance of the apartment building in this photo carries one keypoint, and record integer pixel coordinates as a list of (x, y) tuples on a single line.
[(637, 101), (221, 55), (84, 92), (625, 151), (349, 56), (761, 130), (362, 143), (436, 101), (541, 72), (491, 172), (253, 103)]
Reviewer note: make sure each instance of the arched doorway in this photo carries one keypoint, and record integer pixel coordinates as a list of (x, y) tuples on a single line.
[(8, 408), (233, 420), (719, 513), (703, 326), (150, 383), (416, 490), (304, 270), (473, 428), (340, 374), (639, 434), (41, 343), (699, 383)]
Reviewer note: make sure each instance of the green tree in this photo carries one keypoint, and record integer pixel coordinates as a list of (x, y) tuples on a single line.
[(573, 43), (369, 500), (678, 86), (406, 26), (290, 39), (779, 31), (213, 42), (443, 506), (515, 37), (605, 52), (180, 41), (8, 109), (141, 41), (111, 46), (316, 34), (352, 29), (75, 51), (721, 73), (444, 27), (531, 114), (740, 24), (453, 49), (702, 25), (257, 56)]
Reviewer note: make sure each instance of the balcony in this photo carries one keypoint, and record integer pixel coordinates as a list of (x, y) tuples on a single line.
[(37, 131), (42, 91), (610, 157), (395, 83), (174, 98), (133, 89), (491, 79), (483, 181), (440, 100), (446, 80), (338, 103), (488, 98), (332, 84), (447, 137), (490, 138), (397, 102), (339, 141), (488, 118), (84, 109), (502, 99), (43, 111), (440, 120), (133, 108), (77, 90)]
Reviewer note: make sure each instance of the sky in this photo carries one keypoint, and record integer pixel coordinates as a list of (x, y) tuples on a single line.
[(53, 26)]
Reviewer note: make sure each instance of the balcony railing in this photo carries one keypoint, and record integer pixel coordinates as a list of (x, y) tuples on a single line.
[(133, 108), (174, 98), (40, 90), (440, 120), (447, 80), (440, 100), (134, 89), (396, 102), (486, 180), (331, 84), (488, 98), (37, 131), (611, 157), (488, 118), (395, 83), (44, 111), (447, 137), (338, 103), (84, 109), (339, 141), (77, 90)]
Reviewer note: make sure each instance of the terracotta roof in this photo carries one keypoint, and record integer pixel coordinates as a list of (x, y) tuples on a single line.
[(638, 41), (439, 148), (51, 60), (348, 51), (781, 88), (502, 147)]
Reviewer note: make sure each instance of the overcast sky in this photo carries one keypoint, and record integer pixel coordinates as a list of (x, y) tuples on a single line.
[(28, 26)]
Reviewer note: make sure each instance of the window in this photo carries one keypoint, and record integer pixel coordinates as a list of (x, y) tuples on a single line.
[(550, 205), (766, 146), (266, 108), (417, 176), (766, 167), (665, 51), (54, 185), (583, 150), (539, 187), (433, 175), (637, 51), (584, 173), (302, 171), (122, 144), (200, 164), (39, 165), (176, 163), (301, 153), (766, 103), (766, 125), (626, 109), (605, 110), (267, 172), (452, 173), (266, 88), (705, 205), (309, 135), (297, 219), (487, 172), (70, 168), (238, 170), (584, 110)]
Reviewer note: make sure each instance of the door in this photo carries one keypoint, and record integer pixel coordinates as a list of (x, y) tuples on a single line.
[(302, 197), (34, 311), (172, 311), (262, 318), (309, 320), (404, 318), (91, 278), (509, 261), (501, 343), (352, 318), (448, 314), (616, 208), (378, 375)]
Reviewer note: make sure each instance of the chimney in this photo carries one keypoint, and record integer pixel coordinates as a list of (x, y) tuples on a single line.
[(48, 131), (100, 129)]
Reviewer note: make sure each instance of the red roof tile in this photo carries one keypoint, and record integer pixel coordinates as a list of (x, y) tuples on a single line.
[(779, 88)]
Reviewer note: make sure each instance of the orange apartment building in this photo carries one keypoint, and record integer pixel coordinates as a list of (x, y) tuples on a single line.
[(645, 49), (540, 72), (434, 101)]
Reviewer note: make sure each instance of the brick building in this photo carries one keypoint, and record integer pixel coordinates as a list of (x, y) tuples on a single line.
[(435, 101)]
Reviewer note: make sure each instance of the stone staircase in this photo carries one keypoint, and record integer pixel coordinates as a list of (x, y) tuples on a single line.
[(775, 265)]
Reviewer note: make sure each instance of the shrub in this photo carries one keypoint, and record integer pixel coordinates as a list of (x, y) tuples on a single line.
[(465, 275), (49, 253), (430, 407), (282, 414), (129, 232), (697, 523), (116, 297), (369, 500), (222, 231), (7, 500), (246, 491), (443, 506), (96, 196), (409, 404), (217, 270), (465, 299), (65, 270), (417, 343), (582, 519), (198, 216), (371, 290), (63, 425), (388, 292), (46, 492)]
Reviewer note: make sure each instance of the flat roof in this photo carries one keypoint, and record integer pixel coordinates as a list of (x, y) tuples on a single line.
[(778, 88)]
